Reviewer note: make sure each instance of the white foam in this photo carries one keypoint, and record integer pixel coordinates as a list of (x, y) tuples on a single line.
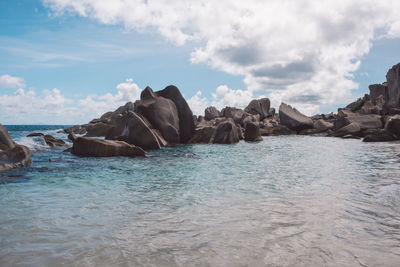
[(33, 143)]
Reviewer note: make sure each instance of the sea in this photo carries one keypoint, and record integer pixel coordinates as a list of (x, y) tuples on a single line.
[(284, 201)]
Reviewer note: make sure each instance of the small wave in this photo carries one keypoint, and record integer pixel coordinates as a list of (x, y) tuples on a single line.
[(33, 143)]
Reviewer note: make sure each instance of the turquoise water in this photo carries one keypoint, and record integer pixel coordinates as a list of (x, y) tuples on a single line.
[(286, 201)]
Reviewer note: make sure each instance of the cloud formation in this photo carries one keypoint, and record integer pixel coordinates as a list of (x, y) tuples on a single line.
[(304, 52), (52, 106), (11, 82)]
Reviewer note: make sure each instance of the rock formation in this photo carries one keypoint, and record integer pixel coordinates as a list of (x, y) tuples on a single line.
[(12, 155), (91, 147), (293, 119), (252, 132)]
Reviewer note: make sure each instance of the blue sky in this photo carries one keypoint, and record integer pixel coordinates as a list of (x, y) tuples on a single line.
[(49, 46)]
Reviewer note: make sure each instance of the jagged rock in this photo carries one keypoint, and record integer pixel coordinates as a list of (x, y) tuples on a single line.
[(68, 150), (98, 129), (139, 133), (225, 133), (259, 107), (393, 125), (161, 113), (346, 117), (12, 155), (252, 132), (211, 113), (276, 130), (76, 129), (376, 90), (251, 118), (51, 141), (185, 114), (322, 125), (234, 113), (393, 84), (202, 135), (350, 129), (121, 111), (272, 112), (293, 119), (72, 137), (35, 135), (381, 136), (91, 147)]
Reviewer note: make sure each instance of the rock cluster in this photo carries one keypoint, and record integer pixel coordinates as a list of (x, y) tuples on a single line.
[(164, 118)]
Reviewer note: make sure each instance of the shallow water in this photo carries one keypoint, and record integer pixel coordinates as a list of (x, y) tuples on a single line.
[(286, 201)]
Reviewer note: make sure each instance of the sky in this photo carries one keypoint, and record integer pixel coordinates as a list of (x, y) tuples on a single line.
[(69, 61)]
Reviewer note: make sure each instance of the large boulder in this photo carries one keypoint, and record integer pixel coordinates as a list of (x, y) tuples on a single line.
[(211, 113), (202, 135), (121, 111), (259, 106), (393, 125), (12, 155), (350, 129), (381, 136), (365, 121), (276, 130), (252, 132), (225, 133), (293, 119), (234, 113), (322, 125), (185, 114), (139, 133), (76, 129), (5, 140), (393, 84), (161, 113), (91, 147), (98, 129)]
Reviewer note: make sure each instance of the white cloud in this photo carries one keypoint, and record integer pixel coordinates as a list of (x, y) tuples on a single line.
[(11, 82), (52, 107), (198, 104), (97, 105), (301, 51), (223, 96)]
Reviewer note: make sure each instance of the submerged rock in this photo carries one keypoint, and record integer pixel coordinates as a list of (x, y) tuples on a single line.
[(91, 147), (12, 155), (35, 135), (51, 141)]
